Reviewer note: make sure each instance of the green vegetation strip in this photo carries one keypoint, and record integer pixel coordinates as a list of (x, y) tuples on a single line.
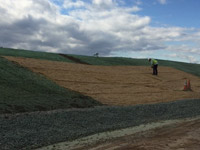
[(113, 61), (32, 54), (24, 91), (104, 61), (186, 67), (32, 130)]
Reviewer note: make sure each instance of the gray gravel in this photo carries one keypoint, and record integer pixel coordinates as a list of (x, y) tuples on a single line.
[(32, 130)]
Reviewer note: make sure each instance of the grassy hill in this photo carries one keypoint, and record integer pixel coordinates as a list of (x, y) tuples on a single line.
[(24, 91), (32, 54), (112, 61), (186, 67), (105, 61)]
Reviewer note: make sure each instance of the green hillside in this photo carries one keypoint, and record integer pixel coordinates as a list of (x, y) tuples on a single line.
[(186, 67), (24, 91), (105, 61), (112, 61), (32, 54)]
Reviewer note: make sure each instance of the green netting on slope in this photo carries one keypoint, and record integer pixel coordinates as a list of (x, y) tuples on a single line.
[(22, 90), (32, 54)]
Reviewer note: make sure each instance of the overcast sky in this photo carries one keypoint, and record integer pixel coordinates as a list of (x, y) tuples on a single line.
[(162, 29)]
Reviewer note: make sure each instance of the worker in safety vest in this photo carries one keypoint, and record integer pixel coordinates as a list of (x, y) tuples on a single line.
[(154, 65)]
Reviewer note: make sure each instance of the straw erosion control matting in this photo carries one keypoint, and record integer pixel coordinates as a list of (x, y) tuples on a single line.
[(117, 85)]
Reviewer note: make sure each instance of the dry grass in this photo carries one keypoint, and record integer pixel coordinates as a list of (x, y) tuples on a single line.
[(117, 85)]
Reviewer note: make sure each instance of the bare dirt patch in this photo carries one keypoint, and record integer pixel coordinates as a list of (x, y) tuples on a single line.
[(172, 134), (116, 85), (184, 135)]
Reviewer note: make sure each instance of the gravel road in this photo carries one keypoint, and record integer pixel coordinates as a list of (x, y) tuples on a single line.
[(168, 135), (33, 130)]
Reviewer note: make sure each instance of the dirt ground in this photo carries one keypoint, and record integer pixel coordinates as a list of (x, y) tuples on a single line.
[(178, 136), (117, 85), (127, 85), (166, 135)]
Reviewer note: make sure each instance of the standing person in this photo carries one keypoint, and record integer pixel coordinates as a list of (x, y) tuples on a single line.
[(154, 65)]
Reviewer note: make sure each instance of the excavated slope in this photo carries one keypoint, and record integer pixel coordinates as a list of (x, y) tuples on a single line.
[(117, 85)]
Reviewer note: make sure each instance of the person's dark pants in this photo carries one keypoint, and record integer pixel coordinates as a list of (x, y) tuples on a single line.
[(155, 69)]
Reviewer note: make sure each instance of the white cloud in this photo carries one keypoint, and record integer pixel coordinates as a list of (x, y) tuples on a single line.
[(188, 58), (138, 2), (103, 2), (72, 4), (162, 1), (100, 26)]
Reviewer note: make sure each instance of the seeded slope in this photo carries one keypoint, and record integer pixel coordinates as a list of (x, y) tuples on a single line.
[(24, 91), (117, 85)]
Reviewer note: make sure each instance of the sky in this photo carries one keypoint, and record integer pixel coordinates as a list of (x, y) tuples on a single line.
[(161, 29)]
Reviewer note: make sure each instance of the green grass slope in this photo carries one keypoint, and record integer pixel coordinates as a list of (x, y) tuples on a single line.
[(186, 67), (24, 91), (112, 61), (32, 54), (105, 61)]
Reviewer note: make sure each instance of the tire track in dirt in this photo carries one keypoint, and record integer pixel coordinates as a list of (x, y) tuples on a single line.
[(184, 135), (181, 134)]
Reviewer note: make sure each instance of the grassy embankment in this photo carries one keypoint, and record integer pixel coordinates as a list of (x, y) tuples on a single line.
[(32, 54), (112, 61), (105, 61), (24, 91)]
